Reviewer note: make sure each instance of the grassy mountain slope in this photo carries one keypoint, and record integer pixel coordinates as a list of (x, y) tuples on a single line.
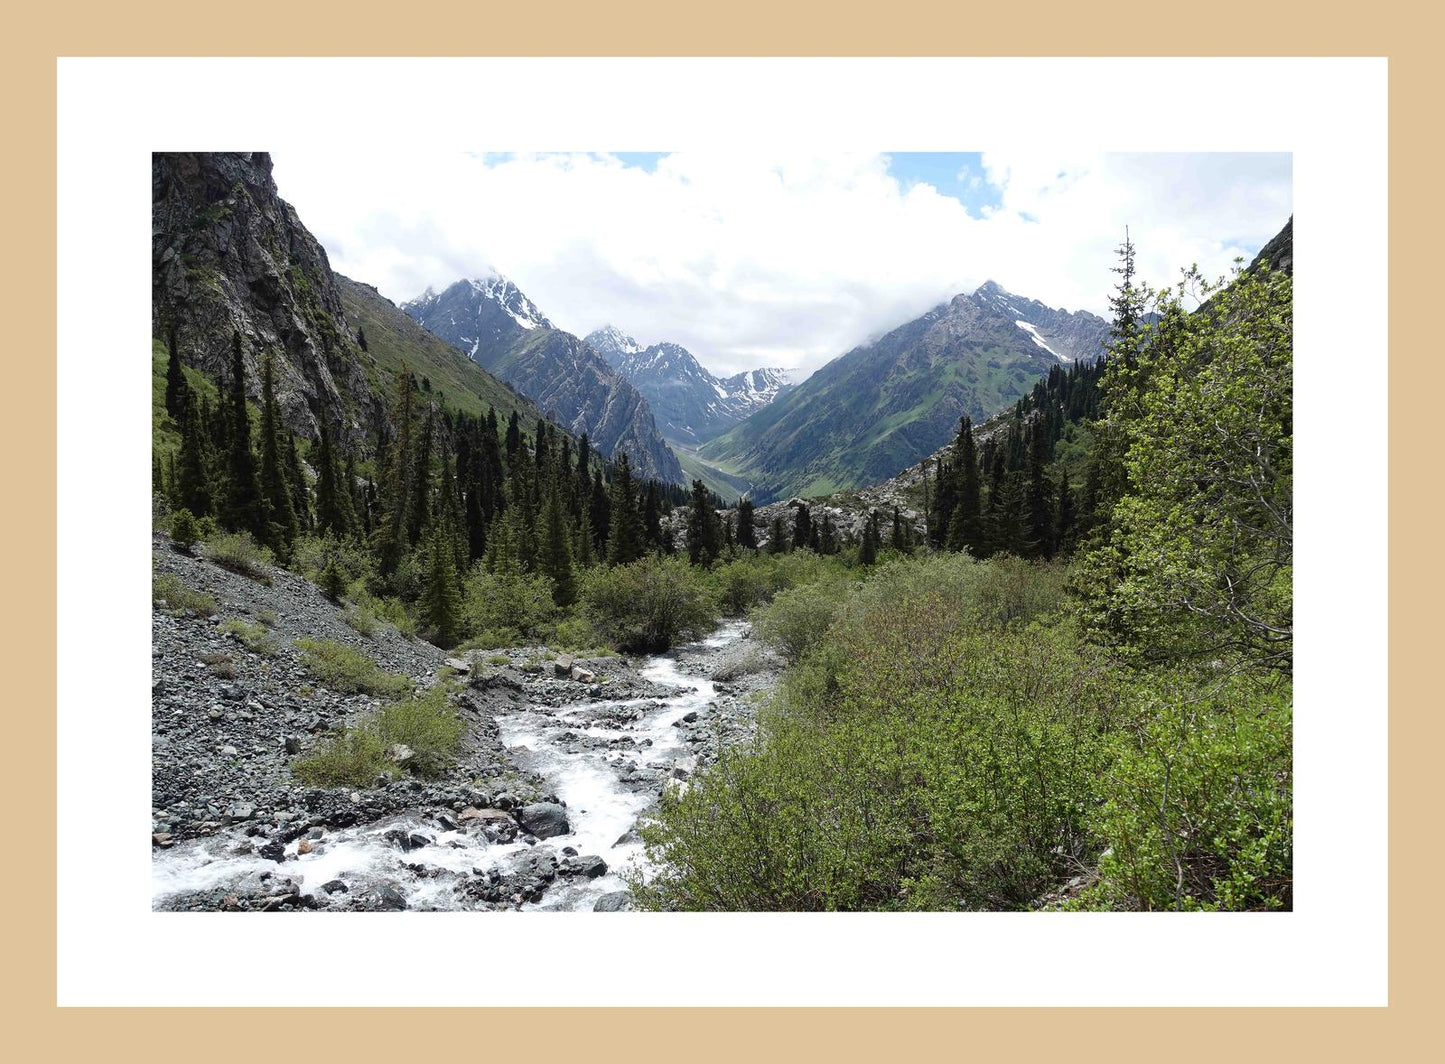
[(397, 344)]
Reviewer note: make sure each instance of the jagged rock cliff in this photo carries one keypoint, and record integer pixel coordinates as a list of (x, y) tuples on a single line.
[(228, 254)]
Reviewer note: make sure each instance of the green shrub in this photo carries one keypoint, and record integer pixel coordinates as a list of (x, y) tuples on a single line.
[(428, 725), (253, 637), (267, 617), (798, 619), (185, 532), (735, 666), (359, 756), (355, 758), (576, 634), (919, 758), (177, 598), (348, 670), (310, 555), (506, 601), (238, 552), (1196, 807), (649, 605), (363, 621)]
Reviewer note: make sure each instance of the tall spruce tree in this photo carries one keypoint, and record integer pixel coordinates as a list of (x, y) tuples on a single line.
[(1040, 495), (274, 486), (704, 534), (329, 514), (244, 507), (965, 527), (177, 391), (441, 601), (191, 481), (296, 478), (1064, 518), (747, 532), (554, 557), (625, 541), (802, 528)]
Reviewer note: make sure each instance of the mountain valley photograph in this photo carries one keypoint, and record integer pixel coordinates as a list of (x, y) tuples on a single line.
[(689, 532)]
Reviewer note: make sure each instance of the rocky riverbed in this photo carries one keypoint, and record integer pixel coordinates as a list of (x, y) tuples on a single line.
[(561, 758)]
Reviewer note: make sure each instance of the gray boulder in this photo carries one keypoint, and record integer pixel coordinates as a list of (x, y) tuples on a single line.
[(544, 819), (619, 901)]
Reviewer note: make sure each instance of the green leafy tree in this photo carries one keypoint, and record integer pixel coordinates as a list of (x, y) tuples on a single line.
[(1199, 563)]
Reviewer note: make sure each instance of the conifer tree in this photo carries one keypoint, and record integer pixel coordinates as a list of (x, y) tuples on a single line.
[(899, 539), (274, 486), (177, 390), (802, 528), (441, 602), (585, 552), (704, 534), (1064, 517), (555, 554), (601, 510), (868, 548), (296, 478), (747, 533), (965, 528), (828, 536), (778, 540), (329, 516), (361, 338), (652, 517), (419, 505), (625, 542), (244, 509), (191, 480), (1040, 495)]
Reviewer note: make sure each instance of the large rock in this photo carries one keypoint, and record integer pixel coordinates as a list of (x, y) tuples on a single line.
[(544, 819), (617, 902)]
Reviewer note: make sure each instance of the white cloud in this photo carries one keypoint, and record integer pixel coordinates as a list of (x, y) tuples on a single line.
[(748, 260)]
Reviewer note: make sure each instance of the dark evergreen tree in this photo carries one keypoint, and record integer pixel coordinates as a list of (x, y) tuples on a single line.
[(652, 517), (555, 554), (330, 516), (1040, 496), (361, 338), (626, 538), (296, 478), (868, 548), (965, 528), (778, 539), (275, 488), (244, 508), (191, 481), (177, 391), (441, 602), (704, 533), (802, 528), (1064, 517), (747, 532)]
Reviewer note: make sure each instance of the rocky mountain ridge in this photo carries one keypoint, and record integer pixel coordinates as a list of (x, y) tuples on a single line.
[(691, 404), (495, 324), (885, 405)]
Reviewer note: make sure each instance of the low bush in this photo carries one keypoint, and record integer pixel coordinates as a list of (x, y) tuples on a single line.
[(361, 620), (240, 553), (176, 598), (798, 619), (355, 758), (347, 670), (253, 637), (919, 757), (360, 756), (506, 607), (746, 662), (429, 725), (185, 531), (649, 605), (1196, 806)]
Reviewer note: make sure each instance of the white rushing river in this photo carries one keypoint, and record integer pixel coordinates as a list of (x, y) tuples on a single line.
[(585, 775)]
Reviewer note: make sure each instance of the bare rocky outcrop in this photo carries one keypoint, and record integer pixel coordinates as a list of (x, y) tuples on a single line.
[(229, 255)]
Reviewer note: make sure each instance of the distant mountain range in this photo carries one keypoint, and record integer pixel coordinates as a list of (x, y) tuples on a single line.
[(504, 332), (884, 405), (690, 403)]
